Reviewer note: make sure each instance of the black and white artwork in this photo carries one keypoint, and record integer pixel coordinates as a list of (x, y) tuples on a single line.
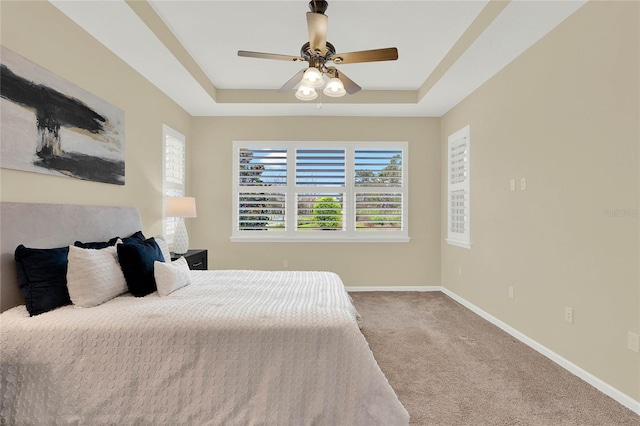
[(49, 125)]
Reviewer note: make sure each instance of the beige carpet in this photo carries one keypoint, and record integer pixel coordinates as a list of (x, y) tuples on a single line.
[(450, 367)]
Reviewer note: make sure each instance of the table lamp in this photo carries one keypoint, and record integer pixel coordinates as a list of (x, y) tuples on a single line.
[(181, 207)]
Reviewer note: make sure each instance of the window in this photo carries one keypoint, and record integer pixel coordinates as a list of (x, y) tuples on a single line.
[(320, 191), (458, 199), (173, 175)]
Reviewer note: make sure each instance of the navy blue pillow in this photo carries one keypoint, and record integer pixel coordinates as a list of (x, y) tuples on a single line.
[(97, 245), (42, 277), (137, 236), (136, 260)]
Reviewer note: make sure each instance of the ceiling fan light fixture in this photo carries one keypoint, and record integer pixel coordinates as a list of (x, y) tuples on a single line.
[(306, 93), (334, 88), (312, 78), (318, 52)]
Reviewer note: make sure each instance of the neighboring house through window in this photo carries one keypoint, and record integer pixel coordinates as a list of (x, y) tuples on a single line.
[(173, 176), (320, 191), (458, 189)]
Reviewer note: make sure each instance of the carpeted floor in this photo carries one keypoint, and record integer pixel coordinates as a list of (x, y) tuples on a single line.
[(450, 367)]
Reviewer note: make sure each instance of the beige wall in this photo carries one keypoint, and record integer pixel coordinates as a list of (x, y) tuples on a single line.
[(416, 263), (40, 33), (564, 115)]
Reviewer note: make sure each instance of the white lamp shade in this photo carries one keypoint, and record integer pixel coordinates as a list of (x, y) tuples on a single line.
[(181, 207), (312, 77), (305, 93), (334, 88)]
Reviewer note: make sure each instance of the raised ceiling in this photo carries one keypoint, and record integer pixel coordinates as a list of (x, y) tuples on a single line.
[(188, 49)]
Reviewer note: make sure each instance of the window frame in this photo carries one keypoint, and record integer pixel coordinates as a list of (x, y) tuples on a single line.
[(349, 232), (170, 186), (455, 238)]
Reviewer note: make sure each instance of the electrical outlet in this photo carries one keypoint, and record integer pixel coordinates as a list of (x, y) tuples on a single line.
[(512, 184), (633, 342), (285, 264), (523, 184), (568, 314), (460, 270), (511, 292)]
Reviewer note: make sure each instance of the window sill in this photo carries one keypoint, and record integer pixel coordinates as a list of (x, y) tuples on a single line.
[(463, 244), (394, 239)]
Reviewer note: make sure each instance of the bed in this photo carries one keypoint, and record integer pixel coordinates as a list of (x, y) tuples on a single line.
[(231, 348)]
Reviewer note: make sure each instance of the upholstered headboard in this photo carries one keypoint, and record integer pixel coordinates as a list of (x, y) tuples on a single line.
[(54, 225)]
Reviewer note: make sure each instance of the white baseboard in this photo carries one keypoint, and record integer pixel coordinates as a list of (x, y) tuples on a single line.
[(597, 383), (395, 288)]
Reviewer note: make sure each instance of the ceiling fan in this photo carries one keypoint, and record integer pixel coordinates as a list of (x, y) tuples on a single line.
[(318, 52)]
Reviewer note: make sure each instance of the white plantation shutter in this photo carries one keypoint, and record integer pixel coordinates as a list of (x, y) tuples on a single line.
[(261, 176), (320, 167), (320, 191), (378, 168), (458, 196), (173, 175), (261, 211), (376, 208), (320, 173), (320, 212), (380, 211), (262, 167)]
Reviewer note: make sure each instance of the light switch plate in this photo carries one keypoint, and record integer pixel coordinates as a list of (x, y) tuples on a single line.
[(568, 314)]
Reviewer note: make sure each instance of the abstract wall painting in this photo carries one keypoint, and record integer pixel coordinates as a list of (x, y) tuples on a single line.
[(49, 125)]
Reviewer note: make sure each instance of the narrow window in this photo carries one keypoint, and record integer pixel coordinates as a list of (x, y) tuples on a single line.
[(458, 193), (173, 175)]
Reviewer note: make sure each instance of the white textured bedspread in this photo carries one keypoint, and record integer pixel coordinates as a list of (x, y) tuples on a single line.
[(233, 348)]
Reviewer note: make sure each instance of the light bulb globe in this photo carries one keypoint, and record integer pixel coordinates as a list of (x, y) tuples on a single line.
[(312, 77), (306, 93), (334, 88)]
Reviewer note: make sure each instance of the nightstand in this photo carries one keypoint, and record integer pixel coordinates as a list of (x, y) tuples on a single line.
[(197, 258)]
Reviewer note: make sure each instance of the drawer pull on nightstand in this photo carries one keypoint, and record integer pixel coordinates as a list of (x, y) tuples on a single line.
[(196, 258)]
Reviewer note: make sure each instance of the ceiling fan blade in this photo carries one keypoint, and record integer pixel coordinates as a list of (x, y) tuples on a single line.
[(261, 55), (388, 54), (317, 24), (349, 85), (292, 82)]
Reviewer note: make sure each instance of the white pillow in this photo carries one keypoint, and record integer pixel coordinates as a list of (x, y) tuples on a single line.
[(164, 248), (94, 276), (171, 276)]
